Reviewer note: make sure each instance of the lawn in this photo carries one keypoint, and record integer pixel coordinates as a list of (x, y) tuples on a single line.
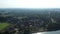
[(3, 25)]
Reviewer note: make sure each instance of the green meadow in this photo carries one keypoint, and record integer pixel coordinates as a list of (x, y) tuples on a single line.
[(3, 25)]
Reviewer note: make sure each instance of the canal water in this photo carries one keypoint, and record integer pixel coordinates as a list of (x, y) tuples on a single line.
[(52, 32)]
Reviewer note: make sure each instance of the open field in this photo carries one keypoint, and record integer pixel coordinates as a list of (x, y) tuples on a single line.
[(3, 25)]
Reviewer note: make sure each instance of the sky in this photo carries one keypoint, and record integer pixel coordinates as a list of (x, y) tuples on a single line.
[(29, 3)]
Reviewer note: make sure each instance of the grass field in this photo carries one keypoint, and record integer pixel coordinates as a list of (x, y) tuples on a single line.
[(3, 25)]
